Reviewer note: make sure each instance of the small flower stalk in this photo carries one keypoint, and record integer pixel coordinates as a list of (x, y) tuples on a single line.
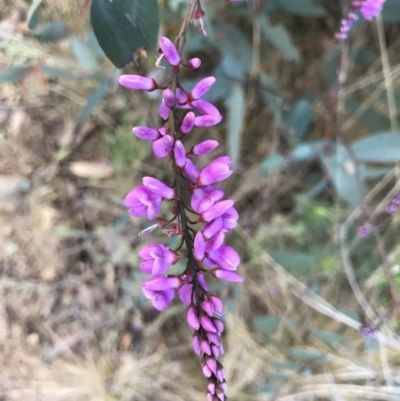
[(369, 9), (191, 190)]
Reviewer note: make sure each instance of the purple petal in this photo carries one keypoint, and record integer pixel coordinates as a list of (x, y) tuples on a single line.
[(158, 188), (162, 283), (205, 197), (211, 386), (212, 228), (227, 275), (185, 293), (179, 154), (163, 111), (137, 82), (163, 147), (202, 281), (217, 210), (204, 147), (162, 300), (207, 121), (218, 325), (194, 63), (192, 318), (196, 344), (205, 347), (188, 122), (170, 51), (218, 304), (169, 98), (207, 325), (225, 257), (206, 370), (199, 247), (215, 242), (146, 133), (191, 170), (208, 307), (205, 107), (202, 88), (212, 364), (216, 171)]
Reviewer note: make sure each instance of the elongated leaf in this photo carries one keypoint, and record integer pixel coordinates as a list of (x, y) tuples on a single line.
[(307, 8), (299, 117), (306, 355), (124, 26), (278, 37), (272, 163), (83, 54), (14, 74), (391, 11), (270, 92), (287, 365), (266, 324), (307, 151), (236, 113), (295, 261), (33, 14), (382, 147), (93, 44), (93, 101), (51, 32), (327, 336), (343, 175)]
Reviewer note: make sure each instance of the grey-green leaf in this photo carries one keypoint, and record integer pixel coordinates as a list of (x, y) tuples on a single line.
[(278, 36), (236, 114), (299, 117), (84, 54), (51, 32), (272, 163), (391, 11), (327, 336), (93, 101), (381, 147), (124, 26), (266, 324), (342, 173), (33, 14), (295, 261), (14, 74)]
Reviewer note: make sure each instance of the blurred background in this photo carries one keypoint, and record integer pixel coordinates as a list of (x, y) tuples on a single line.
[(312, 126)]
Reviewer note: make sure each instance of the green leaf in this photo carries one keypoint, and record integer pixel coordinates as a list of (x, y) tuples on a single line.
[(266, 324), (295, 261), (278, 37), (272, 163), (93, 45), (382, 147), (306, 8), (93, 101), (299, 117), (270, 92), (306, 355), (235, 105), (296, 367), (235, 49), (391, 11), (307, 151), (33, 14), (367, 115), (51, 32), (124, 26), (83, 54), (14, 74), (342, 173), (327, 336)]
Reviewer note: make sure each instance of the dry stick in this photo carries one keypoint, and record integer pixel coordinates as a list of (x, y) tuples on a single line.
[(386, 71), (77, 20)]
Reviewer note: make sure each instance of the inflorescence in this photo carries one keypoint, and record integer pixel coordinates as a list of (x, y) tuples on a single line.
[(369, 9), (190, 193)]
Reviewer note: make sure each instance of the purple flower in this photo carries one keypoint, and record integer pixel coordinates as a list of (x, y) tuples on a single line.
[(163, 111), (205, 197), (170, 51), (199, 247), (216, 171), (217, 210), (369, 8), (191, 170), (225, 257), (169, 98), (188, 123), (194, 63), (157, 259), (204, 148), (179, 154), (138, 82), (146, 133), (205, 108), (158, 188), (162, 283), (202, 88), (159, 299), (192, 318), (364, 230), (226, 275), (163, 147), (207, 121), (142, 202)]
